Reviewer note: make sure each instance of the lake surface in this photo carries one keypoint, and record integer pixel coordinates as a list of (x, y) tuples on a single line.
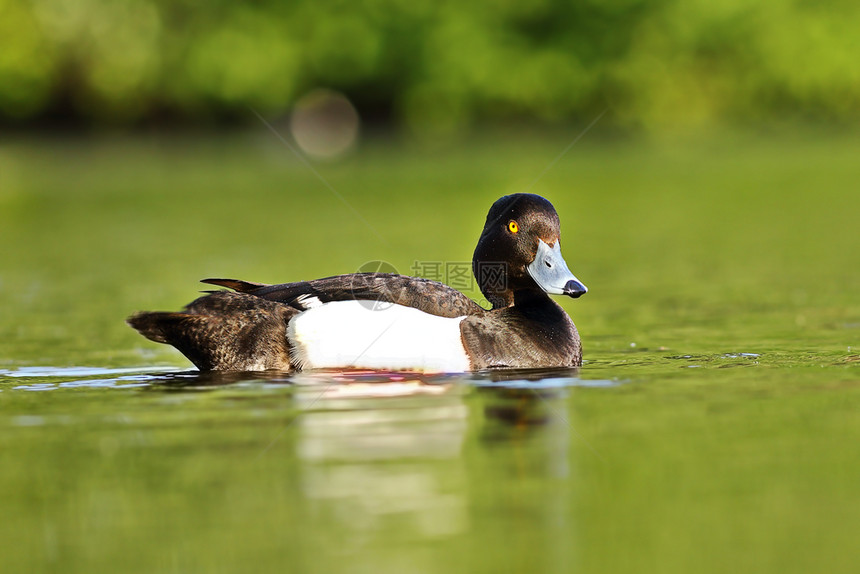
[(715, 425)]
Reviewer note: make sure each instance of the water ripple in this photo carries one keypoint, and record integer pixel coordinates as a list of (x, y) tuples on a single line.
[(77, 371), (53, 378)]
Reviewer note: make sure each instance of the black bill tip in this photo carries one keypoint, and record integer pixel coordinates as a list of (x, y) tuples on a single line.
[(574, 289)]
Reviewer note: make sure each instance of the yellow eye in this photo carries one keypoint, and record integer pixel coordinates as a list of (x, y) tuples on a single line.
[(513, 227)]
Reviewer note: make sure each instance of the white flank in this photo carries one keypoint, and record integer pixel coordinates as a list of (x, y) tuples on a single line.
[(365, 335)]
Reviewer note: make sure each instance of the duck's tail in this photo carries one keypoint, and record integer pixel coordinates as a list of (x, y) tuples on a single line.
[(224, 331)]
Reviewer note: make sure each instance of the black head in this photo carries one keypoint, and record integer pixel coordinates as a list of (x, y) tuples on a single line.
[(519, 251)]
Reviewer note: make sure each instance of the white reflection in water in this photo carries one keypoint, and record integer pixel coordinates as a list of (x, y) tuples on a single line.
[(363, 497), (380, 454), (28, 420)]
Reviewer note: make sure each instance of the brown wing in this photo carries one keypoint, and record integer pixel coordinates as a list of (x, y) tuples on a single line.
[(422, 294)]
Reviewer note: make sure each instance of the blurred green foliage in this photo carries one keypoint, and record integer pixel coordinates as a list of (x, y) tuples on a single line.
[(432, 65)]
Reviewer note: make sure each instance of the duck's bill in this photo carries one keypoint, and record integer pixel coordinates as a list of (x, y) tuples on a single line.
[(550, 272)]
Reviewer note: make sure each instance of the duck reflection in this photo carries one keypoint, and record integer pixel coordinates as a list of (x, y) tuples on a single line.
[(524, 461), (388, 464), (197, 380), (522, 401), (382, 451)]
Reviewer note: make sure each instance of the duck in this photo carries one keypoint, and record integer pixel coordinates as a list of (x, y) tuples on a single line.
[(392, 322)]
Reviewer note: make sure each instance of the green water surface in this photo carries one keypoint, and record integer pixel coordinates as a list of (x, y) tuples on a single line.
[(714, 427)]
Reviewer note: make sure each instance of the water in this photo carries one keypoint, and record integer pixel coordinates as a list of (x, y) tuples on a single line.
[(713, 426)]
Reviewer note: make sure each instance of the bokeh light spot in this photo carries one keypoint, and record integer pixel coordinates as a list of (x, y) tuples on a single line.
[(325, 124)]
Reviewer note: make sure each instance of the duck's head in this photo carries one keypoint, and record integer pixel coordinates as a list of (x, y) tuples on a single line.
[(519, 252)]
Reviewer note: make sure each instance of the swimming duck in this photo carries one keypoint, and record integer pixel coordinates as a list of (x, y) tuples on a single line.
[(387, 321)]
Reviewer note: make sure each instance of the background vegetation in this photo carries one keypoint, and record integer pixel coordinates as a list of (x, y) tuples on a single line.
[(433, 66)]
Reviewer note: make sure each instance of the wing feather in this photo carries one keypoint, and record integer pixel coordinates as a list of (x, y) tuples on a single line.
[(422, 294)]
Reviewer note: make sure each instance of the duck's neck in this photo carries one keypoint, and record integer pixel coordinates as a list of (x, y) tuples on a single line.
[(518, 298), (530, 298), (500, 300)]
